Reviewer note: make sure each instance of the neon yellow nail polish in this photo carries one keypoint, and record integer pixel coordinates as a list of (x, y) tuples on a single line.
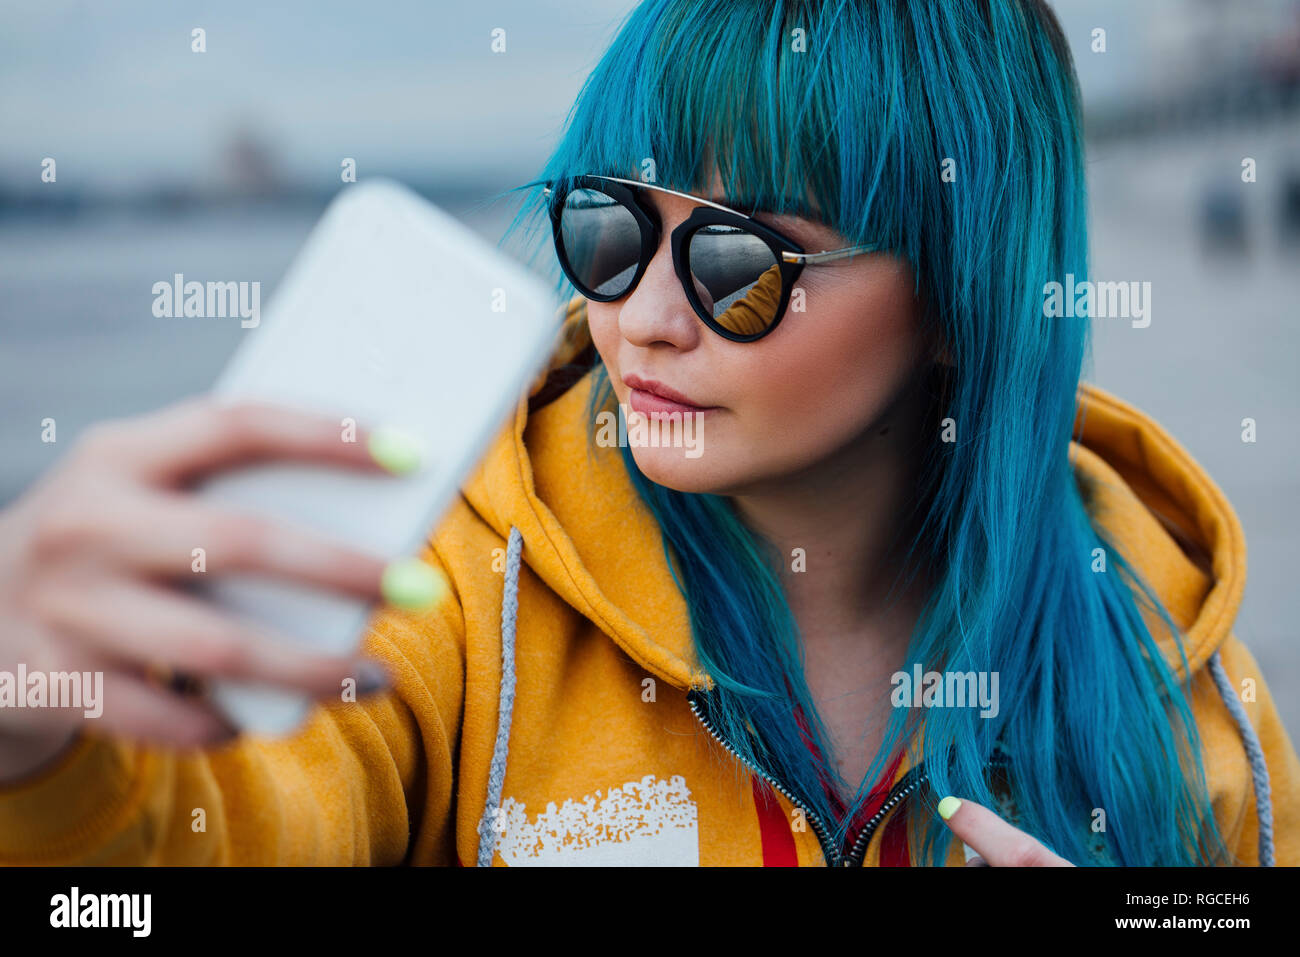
[(948, 807), (396, 449), (411, 584)]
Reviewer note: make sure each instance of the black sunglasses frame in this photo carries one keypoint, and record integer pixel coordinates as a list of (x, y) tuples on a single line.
[(679, 240)]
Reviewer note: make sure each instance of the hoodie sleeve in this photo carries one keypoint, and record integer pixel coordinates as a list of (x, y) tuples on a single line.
[(364, 783), (1233, 784)]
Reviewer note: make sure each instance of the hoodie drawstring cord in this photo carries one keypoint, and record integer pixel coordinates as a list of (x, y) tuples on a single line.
[(488, 828), (1255, 754)]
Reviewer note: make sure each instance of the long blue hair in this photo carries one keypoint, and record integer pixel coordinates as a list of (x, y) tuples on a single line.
[(951, 134)]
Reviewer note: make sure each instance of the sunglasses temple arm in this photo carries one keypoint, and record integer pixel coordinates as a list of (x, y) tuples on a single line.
[(831, 256)]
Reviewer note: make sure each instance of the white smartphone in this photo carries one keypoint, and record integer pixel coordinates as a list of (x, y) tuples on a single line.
[(394, 313)]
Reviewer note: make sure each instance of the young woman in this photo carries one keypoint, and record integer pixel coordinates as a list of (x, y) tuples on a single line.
[(807, 548)]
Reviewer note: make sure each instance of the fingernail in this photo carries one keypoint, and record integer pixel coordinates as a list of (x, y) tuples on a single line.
[(371, 677), (396, 449), (948, 807), (412, 584)]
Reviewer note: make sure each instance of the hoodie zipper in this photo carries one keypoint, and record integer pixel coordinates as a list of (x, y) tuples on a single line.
[(911, 781), (823, 836)]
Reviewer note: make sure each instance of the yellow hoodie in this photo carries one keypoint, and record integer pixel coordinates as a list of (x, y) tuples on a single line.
[(541, 715)]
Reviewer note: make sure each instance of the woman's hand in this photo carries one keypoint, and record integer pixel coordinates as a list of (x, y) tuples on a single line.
[(87, 553), (991, 841)]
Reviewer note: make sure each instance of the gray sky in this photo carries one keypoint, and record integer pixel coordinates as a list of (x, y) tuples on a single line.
[(113, 92)]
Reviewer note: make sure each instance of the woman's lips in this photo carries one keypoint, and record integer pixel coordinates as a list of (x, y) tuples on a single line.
[(647, 403), (649, 397)]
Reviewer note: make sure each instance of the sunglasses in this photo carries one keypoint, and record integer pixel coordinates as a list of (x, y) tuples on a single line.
[(736, 272)]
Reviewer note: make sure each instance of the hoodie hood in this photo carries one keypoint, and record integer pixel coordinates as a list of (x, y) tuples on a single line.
[(596, 545), (1148, 496), (593, 543)]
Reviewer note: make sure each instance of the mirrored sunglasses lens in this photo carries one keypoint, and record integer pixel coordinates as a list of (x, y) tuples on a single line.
[(602, 242), (737, 278)]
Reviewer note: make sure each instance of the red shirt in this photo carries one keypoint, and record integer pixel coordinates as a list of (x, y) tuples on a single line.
[(893, 852)]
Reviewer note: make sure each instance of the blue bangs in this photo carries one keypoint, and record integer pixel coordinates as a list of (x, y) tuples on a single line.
[(762, 106)]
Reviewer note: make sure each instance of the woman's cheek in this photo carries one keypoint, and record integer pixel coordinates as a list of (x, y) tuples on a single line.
[(602, 323), (823, 394), (800, 390)]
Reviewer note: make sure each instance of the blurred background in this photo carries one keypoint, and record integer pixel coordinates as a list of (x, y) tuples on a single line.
[(216, 165)]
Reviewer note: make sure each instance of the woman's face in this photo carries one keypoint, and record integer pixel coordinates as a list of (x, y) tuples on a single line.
[(825, 379)]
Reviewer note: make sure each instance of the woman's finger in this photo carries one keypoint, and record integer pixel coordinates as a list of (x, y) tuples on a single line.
[(140, 711), (155, 533), (204, 434), (151, 624), (993, 839), (973, 858), (109, 696)]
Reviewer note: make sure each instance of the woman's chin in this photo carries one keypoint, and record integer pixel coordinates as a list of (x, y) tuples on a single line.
[(680, 469)]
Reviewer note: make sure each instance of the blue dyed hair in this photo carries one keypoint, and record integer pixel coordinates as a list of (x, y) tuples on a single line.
[(885, 96)]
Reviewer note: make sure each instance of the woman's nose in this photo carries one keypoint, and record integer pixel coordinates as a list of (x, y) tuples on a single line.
[(657, 309)]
